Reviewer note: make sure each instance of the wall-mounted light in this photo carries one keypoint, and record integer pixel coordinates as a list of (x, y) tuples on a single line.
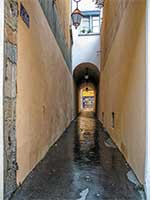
[(76, 15), (86, 76)]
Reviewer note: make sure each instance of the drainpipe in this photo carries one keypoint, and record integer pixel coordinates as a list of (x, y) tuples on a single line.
[(1, 99), (147, 163)]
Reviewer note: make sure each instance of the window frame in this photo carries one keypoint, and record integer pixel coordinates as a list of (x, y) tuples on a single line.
[(90, 15)]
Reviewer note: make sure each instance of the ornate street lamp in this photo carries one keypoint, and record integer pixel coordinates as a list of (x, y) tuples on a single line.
[(76, 15), (100, 3)]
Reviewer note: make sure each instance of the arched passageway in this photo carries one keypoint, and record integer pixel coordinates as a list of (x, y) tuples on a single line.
[(84, 162), (86, 97), (86, 77)]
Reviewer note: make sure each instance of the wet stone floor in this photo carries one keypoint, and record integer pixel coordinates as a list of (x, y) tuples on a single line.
[(83, 165)]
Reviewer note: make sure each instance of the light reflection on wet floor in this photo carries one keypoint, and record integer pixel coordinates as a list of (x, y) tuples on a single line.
[(83, 165)]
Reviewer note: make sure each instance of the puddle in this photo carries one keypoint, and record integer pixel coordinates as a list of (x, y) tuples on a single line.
[(133, 179), (84, 194), (109, 143), (97, 195), (83, 158)]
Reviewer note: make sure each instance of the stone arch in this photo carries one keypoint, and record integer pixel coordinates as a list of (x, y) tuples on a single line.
[(79, 78)]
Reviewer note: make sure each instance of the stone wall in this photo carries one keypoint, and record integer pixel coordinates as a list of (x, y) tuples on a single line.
[(1, 99), (10, 61)]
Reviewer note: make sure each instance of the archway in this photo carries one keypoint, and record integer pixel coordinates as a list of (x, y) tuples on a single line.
[(86, 77), (87, 97)]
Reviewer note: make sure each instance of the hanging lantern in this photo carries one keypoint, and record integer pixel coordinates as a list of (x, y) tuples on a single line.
[(76, 16), (100, 3)]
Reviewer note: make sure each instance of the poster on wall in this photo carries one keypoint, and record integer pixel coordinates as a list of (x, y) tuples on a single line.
[(88, 102)]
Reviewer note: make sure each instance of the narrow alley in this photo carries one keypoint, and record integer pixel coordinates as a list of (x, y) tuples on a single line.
[(83, 165), (74, 100)]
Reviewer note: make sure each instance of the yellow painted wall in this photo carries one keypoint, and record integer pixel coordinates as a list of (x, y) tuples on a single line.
[(122, 85), (112, 15), (44, 90)]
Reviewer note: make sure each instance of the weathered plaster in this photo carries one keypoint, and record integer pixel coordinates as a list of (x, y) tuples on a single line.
[(44, 90), (122, 87), (1, 98), (110, 25), (10, 61), (58, 17)]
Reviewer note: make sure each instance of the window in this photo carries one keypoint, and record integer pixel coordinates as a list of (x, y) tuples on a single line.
[(85, 25), (90, 23), (95, 24)]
